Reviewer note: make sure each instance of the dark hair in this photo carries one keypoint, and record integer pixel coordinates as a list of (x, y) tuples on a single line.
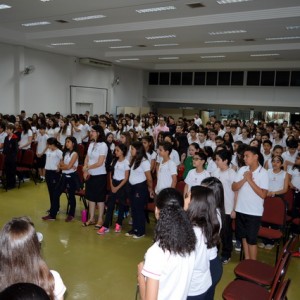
[(225, 155), (128, 139), (296, 166), (256, 151), (229, 135), (25, 126), (20, 256), (173, 231), (167, 146), (150, 140), (267, 142), (3, 125), (140, 155), (202, 156), (75, 146), (24, 291), (278, 147), (196, 145), (63, 129), (101, 134), (115, 159), (202, 213), (54, 141), (208, 151), (279, 157), (293, 144)]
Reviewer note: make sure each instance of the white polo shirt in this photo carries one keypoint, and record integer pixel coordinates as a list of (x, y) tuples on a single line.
[(41, 143), (138, 175), (295, 177), (276, 180), (94, 151), (53, 159), (193, 178), (164, 175), (67, 160), (248, 201), (24, 139), (120, 168)]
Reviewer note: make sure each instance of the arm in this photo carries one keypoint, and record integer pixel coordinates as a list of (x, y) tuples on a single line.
[(233, 213), (174, 181), (114, 189), (259, 191), (28, 143), (185, 190), (283, 190), (99, 163), (70, 165), (149, 183), (237, 185)]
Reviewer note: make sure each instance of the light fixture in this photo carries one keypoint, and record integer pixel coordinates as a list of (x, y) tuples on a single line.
[(45, 0), (283, 38), (218, 42), (227, 32), (264, 54), (155, 9), (63, 44), (129, 59), (166, 45), (160, 37), (88, 18), (170, 57), (41, 23), (213, 56), (293, 27), (107, 41), (120, 47), (231, 1), (4, 6)]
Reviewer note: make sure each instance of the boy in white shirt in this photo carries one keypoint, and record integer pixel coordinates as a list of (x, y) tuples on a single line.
[(167, 169), (290, 155), (40, 152)]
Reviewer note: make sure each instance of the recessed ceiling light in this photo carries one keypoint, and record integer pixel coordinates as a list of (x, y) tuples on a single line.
[(4, 6), (231, 1), (165, 45), (120, 47), (124, 59), (36, 24), (227, 32), (218, 42), (283, 38), (292, 27), (213, 56), (155, 9), (88, 18), (160, 37), (107, 41), (264, 54), (45, 0), (63, 44), (171, 57)]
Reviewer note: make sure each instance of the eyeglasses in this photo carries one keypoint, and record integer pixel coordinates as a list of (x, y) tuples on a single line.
[(196, 158)]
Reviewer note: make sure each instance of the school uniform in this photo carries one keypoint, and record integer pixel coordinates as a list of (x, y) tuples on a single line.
[(194, 178), (41, 146), (164, 175), (10, 150)]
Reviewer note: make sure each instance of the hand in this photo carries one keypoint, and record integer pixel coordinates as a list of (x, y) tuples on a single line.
[(114, 189), (248, 175), (140, 268), (86, 175), (233, 214), (152, 194)]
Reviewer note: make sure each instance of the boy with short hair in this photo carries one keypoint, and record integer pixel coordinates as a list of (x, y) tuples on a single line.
[(267, 146), (251, 183), (40, 152), (290, 155)]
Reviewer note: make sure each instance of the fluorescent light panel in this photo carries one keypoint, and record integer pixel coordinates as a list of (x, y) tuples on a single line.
[(218, 42), (213, 56), (283, 38), (264, 54), (4, 6), (129, 59), (227, 32), (155, 9), (232, 1), (166, 45), (107, 41), (41, 23), (63, 44), (292, 27), (120, 47), (160, 37), (173, 57), (88, 18)]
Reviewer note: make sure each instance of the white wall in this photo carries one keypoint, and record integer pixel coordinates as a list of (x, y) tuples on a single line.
[(47, 88)]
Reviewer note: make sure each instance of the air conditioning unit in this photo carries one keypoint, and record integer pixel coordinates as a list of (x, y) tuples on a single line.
[(95, 62)]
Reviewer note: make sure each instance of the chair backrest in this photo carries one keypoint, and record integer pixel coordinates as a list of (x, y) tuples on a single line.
[(19, 156), (274, 211), (282, 290), (80, 149), (2, 157), (28, 158), (280, 274), (289, 198), (180, 186), (80, 173)]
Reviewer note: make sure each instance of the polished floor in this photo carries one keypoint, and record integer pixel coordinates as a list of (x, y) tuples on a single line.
[(99, 267)]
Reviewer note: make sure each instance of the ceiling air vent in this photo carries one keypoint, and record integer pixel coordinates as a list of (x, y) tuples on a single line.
[(249, 40), (61, 21), (95, 62), (195, 5), (141, 46)]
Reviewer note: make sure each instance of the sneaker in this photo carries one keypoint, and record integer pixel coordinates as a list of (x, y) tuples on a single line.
[(48, 218), (130, 233), (225, 260), (237, 246), (269, 246), (69, 218), (118, 228), (138, 236), (261, 245), (103, 230)]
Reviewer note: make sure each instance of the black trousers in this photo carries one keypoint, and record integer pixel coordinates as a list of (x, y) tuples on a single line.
[(52, 178), (226, 237)]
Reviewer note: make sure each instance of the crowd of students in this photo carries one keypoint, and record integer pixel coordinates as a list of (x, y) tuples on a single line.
[(144, 157)]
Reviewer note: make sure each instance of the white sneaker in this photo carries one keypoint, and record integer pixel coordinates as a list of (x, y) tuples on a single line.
[(269, 247), (261, 245)]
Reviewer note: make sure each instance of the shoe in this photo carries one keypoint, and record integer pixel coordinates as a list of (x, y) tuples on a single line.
[(269, 247), (237, 246), (118, 228), (48, 218), (130, 233), (138, 236), (69, 218), (98, 225), (103, 230), (88, 223), (261, 245), (225, 260), (25, 179)]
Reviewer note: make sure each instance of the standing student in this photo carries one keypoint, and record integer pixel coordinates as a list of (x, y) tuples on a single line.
[(26, 136), (69, 180), (64, 130), (277, 151), (3, 134), (10, 150), (52, 174), (196, 175), (77, 127), (294, 183), (125, 138), (167, 169), (148, 143), (40, 152), (188, 160), (167, 270), (95, 175), (227, 176), (118, 180), (290, 155), (252, 184), (140, 181)]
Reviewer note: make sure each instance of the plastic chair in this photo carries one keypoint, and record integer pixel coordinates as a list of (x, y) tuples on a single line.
[(259, 272), (282, 290), (180, 186), (246, 290), (26, 165)]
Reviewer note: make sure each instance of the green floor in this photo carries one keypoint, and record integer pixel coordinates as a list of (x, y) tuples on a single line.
[(99, 267)]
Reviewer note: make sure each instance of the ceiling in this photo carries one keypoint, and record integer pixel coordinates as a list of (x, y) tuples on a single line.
[(191, 31)]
